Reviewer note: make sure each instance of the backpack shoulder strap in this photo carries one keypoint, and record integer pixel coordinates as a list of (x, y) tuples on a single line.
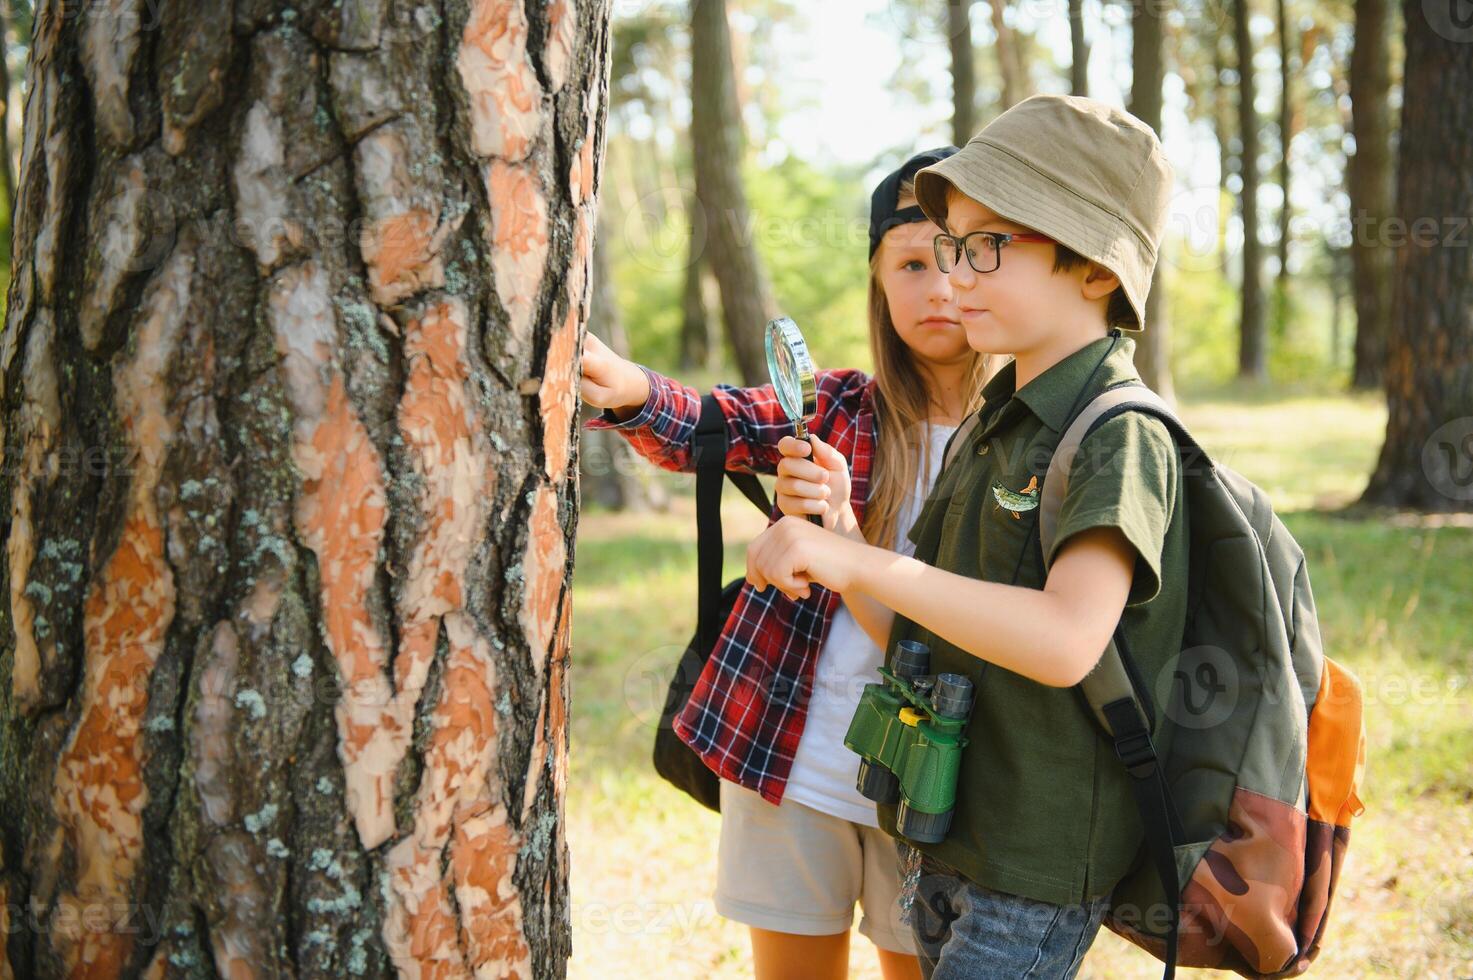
[(1106, 405), (1113, 692), (708, 446)]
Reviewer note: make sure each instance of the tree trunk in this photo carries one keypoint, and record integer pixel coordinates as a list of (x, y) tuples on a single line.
[(1370, 177), (289, 383), (610, 472), (7, 173), (1009, 58), (1153, 345), (698, 340), (1286, 137), (1252, 350), (716, 143), (1426, 462), (963, 71), (1079, 50), (1222, 127)]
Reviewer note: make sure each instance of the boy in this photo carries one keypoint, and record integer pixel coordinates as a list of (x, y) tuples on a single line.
[(1054, 214)]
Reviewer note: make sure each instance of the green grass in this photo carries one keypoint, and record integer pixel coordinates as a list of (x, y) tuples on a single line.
[(1392, 596)]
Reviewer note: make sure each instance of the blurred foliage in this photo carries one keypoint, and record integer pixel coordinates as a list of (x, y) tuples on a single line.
[(809, 216)]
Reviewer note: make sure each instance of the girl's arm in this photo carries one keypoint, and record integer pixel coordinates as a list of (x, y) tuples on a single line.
[(662, 426)]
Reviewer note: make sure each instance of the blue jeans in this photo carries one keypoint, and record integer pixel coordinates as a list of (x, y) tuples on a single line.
[(964, 930)]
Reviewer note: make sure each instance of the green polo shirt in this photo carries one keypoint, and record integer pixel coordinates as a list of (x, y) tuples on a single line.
[(1043, 807)]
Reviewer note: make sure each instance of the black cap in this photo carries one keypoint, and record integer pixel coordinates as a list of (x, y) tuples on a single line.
[(883, 214)]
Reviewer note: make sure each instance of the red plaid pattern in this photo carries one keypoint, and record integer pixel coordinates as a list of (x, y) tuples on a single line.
[(747, 711)]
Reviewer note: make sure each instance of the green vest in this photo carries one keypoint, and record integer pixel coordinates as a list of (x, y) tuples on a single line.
[(1043, 807)]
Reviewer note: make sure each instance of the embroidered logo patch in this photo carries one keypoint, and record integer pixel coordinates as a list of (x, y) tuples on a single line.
[(1017, 501)]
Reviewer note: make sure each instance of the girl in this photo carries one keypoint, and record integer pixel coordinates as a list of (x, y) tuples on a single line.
[(799, 845)]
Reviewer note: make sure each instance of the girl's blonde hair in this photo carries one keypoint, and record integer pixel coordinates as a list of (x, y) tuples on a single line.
[(901, 406)]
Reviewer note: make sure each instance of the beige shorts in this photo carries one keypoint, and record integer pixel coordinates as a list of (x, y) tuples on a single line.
[(794, 869)]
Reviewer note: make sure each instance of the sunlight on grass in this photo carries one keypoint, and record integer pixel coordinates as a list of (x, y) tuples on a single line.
[(1392, 600)]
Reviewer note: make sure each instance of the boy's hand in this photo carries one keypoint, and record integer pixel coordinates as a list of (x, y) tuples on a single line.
[(793, 553), (812, 485), (610, 381)]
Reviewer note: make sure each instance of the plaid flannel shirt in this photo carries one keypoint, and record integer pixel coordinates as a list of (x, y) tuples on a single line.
[(747, 711)]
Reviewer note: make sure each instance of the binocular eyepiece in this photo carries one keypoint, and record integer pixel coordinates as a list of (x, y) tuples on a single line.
[(907, 732)]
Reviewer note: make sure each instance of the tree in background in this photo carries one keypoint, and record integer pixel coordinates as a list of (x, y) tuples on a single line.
[(15, 23), (1148, 72), (1371, 184), (700, 341), (1079, 50), (1286, 138), (1252, 345), (289, 379), (1001, 67), (717, 144), (1011, 60), (1426, 462), (963, 71), (610, 472)]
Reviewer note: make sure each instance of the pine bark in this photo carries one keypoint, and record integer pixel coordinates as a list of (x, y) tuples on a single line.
[(1370, 181), (289, 415), (1426, 462)]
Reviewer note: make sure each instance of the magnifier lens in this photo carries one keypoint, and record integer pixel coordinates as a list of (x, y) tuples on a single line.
[(793, 377), (791, 369)]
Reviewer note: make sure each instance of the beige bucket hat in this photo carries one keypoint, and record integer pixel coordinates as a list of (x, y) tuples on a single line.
[(1087, 174)]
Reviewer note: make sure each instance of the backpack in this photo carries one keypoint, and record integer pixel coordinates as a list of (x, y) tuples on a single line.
[(1246, 819), (675, 761)]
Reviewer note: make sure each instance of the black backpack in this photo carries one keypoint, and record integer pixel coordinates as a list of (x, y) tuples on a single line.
[(675, 761)]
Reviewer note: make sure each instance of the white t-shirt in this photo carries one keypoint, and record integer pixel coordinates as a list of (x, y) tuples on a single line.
[(824, 769)]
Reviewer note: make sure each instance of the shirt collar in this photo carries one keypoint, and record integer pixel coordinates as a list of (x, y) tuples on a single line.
[(1052, 396)]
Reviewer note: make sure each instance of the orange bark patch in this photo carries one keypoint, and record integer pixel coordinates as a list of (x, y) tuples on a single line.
[(402, 237), (439, 426), (483, 858), (544, 563), (341, 514), (396, 251), (505, 97), (558, 398), (519, 241), (99, 793), (580, 177), (422, 933), (561, 35), (458, 801)]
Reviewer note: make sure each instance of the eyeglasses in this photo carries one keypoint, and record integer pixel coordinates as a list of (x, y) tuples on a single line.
[(983, 248)]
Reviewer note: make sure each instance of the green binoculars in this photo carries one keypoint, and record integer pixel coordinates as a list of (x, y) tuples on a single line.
[(908, 734)]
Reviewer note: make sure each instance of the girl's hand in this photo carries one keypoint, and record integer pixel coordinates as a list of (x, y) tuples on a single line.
[(611, 381), (793, 553), (812, 485)]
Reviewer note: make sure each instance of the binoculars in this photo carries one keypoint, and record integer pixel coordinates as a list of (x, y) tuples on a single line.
[(907, 732)]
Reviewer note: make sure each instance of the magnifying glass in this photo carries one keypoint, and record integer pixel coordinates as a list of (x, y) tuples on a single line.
[(791, 368)]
